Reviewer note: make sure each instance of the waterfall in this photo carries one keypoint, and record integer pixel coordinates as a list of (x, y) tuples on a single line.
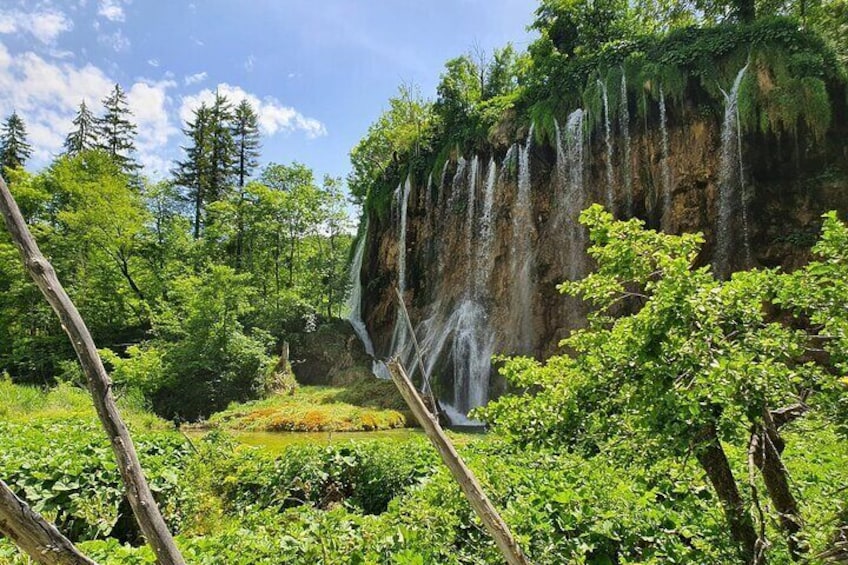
[(428, 194), (355, 299), (400, 336), (470, 220), (731, 197), (666, 170), (575, 196), (486, 258), (608, 140), (522, 257), (624, 124)]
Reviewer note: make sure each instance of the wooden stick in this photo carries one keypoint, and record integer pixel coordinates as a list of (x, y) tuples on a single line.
[(471, 488), (138, 492), (424, 376), (37, 537)]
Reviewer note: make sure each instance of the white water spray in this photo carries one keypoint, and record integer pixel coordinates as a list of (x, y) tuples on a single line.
[(624, 124), (731, 198), (522, 257), (608, 140), (666, 169)]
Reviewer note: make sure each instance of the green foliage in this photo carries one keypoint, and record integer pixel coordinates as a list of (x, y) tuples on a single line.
[(401, 133), (696, 353), (65, 470), (209, 360)]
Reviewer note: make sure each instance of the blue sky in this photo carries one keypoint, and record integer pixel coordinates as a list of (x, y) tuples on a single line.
[(318, 71)]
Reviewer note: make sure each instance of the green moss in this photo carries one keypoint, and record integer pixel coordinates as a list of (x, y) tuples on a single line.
[(315, 409)]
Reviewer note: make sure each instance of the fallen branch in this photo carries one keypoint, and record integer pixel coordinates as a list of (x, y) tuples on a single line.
[(138, 492), (37, 537), (471, 488)]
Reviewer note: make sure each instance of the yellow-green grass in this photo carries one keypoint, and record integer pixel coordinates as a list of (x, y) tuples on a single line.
[(27, 404), (312, 409)]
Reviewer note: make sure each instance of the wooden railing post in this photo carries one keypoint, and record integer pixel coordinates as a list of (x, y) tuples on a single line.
[(471, 488)]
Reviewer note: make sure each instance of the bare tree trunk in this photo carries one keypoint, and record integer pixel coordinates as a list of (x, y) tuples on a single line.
[(766, 447), (138, 492), (471, 488), (713, 460), (37, 537)]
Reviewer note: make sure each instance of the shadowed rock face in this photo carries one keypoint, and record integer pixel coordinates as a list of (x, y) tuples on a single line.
[(462, 293)]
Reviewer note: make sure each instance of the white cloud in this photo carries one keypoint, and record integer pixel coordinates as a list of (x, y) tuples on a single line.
[(195, 78), (153, 62), (47, 95), (117, 41), (149, 102), (112, 10), (45, 25), (273, 116), (249, 62)]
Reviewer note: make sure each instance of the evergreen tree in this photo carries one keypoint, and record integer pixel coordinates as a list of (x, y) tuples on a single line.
[(115, 130), (84, 135), (246, 134), (222, 158), (14, 149), (194, 172)]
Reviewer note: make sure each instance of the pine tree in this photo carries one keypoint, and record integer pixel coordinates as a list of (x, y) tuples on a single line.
[(84, 135), (222, 156), (14, 149), (246, 135), (116, 132), (194, 172)]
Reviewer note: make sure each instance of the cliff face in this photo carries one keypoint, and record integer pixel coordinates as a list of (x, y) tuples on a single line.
[(487, 243)]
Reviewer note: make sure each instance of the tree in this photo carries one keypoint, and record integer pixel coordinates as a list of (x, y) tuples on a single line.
[(247, 139), (699, 365), (222, 147), (194, 172), (84, 136), (14, 149), (404, 129), (116, 132)]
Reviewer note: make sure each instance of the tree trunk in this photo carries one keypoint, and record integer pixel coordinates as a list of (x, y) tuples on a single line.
[(99, 384), (713, 460), (745, 11), (37, 537), (765, 448), (471, 488)]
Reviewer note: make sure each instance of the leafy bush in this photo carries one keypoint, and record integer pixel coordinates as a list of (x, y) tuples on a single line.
[(362, 475), (66, 470)]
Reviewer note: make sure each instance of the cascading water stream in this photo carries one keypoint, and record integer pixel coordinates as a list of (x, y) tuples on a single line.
[(575, 195), (400, 335), (470, 205), (486, 257), (378, 368), (731, 198), (522, 257), (608, 140), (666, 169), (624, 124), (355, 299)]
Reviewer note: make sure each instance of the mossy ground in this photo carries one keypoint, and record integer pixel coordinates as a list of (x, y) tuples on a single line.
[(363, 406)]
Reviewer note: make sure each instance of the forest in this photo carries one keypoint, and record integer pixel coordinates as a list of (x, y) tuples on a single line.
[(690, 416)]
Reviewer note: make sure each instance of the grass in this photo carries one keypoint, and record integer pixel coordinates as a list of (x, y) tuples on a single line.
[(364, 406), (29, 404)]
